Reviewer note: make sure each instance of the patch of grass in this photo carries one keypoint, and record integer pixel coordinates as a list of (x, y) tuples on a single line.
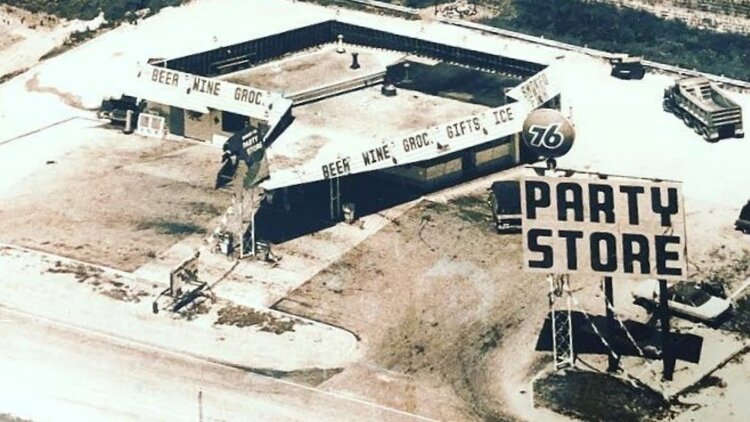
[(81, 271), (474, 216), (620, 29), (171, 227), (472, 208), (740, 319), (468, 201), (11, 75), (312, 377), (706, 382), (204, 208), (594, 396), (363, 7), (242, 316), (435, 206), (730, 271)]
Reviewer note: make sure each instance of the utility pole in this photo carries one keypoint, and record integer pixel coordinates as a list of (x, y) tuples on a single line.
[(252, 222), (242, 222), (200, 405)]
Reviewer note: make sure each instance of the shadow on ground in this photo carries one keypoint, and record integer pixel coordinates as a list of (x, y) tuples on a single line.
[(686, 347)]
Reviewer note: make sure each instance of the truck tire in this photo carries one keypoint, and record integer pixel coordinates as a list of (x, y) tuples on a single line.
[(707, 135), (687, 120)]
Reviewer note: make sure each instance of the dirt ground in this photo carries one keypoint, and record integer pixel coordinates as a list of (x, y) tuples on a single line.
[(119, 200), (312, 68), (441, 322), (428, 310), (25, 37)]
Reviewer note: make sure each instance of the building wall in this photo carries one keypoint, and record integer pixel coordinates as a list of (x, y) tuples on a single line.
[(494, 156), (198, 126), (203, 126)]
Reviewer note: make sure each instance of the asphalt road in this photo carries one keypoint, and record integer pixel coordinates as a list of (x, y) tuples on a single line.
[(50, 371)]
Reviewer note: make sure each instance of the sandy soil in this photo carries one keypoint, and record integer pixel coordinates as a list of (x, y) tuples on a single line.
[(427, 309), (317, 67), (117, 200), (25, 37)]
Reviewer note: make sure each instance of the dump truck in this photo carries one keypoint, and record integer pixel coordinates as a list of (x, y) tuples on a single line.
[(627, 67), (703, 106), (505, 202)]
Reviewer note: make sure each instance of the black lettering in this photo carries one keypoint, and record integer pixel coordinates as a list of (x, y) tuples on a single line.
[(409, 144), (575, 203), (196, 84), (450, 132), (366, 158), (597, 264), (665, 210), (632, 192), (663, 255), (630, 255), (571, 236), (345, 164), (477, 126), (339, 168), (533, 236), (601, 200), (237, 93), (326, 172), (534, 200), (155, 75), (258, 97)]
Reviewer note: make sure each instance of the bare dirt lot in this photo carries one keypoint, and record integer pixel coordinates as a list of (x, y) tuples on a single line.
[(118, 200), (455, 325), (428, 309)]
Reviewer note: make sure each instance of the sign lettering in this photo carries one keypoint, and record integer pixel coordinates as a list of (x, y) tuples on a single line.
[(631, 228), (206, 86), (413, 143), (164, 76), (376, 155), (337, 168), (503, 115), (212, 93), (463, 127)]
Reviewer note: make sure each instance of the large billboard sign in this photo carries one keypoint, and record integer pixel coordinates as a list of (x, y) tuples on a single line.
[(631, 228)]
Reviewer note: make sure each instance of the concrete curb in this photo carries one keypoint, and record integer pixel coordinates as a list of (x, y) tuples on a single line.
[(271, 309)]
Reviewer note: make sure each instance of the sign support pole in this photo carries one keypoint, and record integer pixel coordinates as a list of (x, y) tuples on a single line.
[(252, 222), (666, 349), (242, 223), (613, 363)]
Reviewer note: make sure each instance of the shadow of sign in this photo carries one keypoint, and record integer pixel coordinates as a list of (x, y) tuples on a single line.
[(686, 347)]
